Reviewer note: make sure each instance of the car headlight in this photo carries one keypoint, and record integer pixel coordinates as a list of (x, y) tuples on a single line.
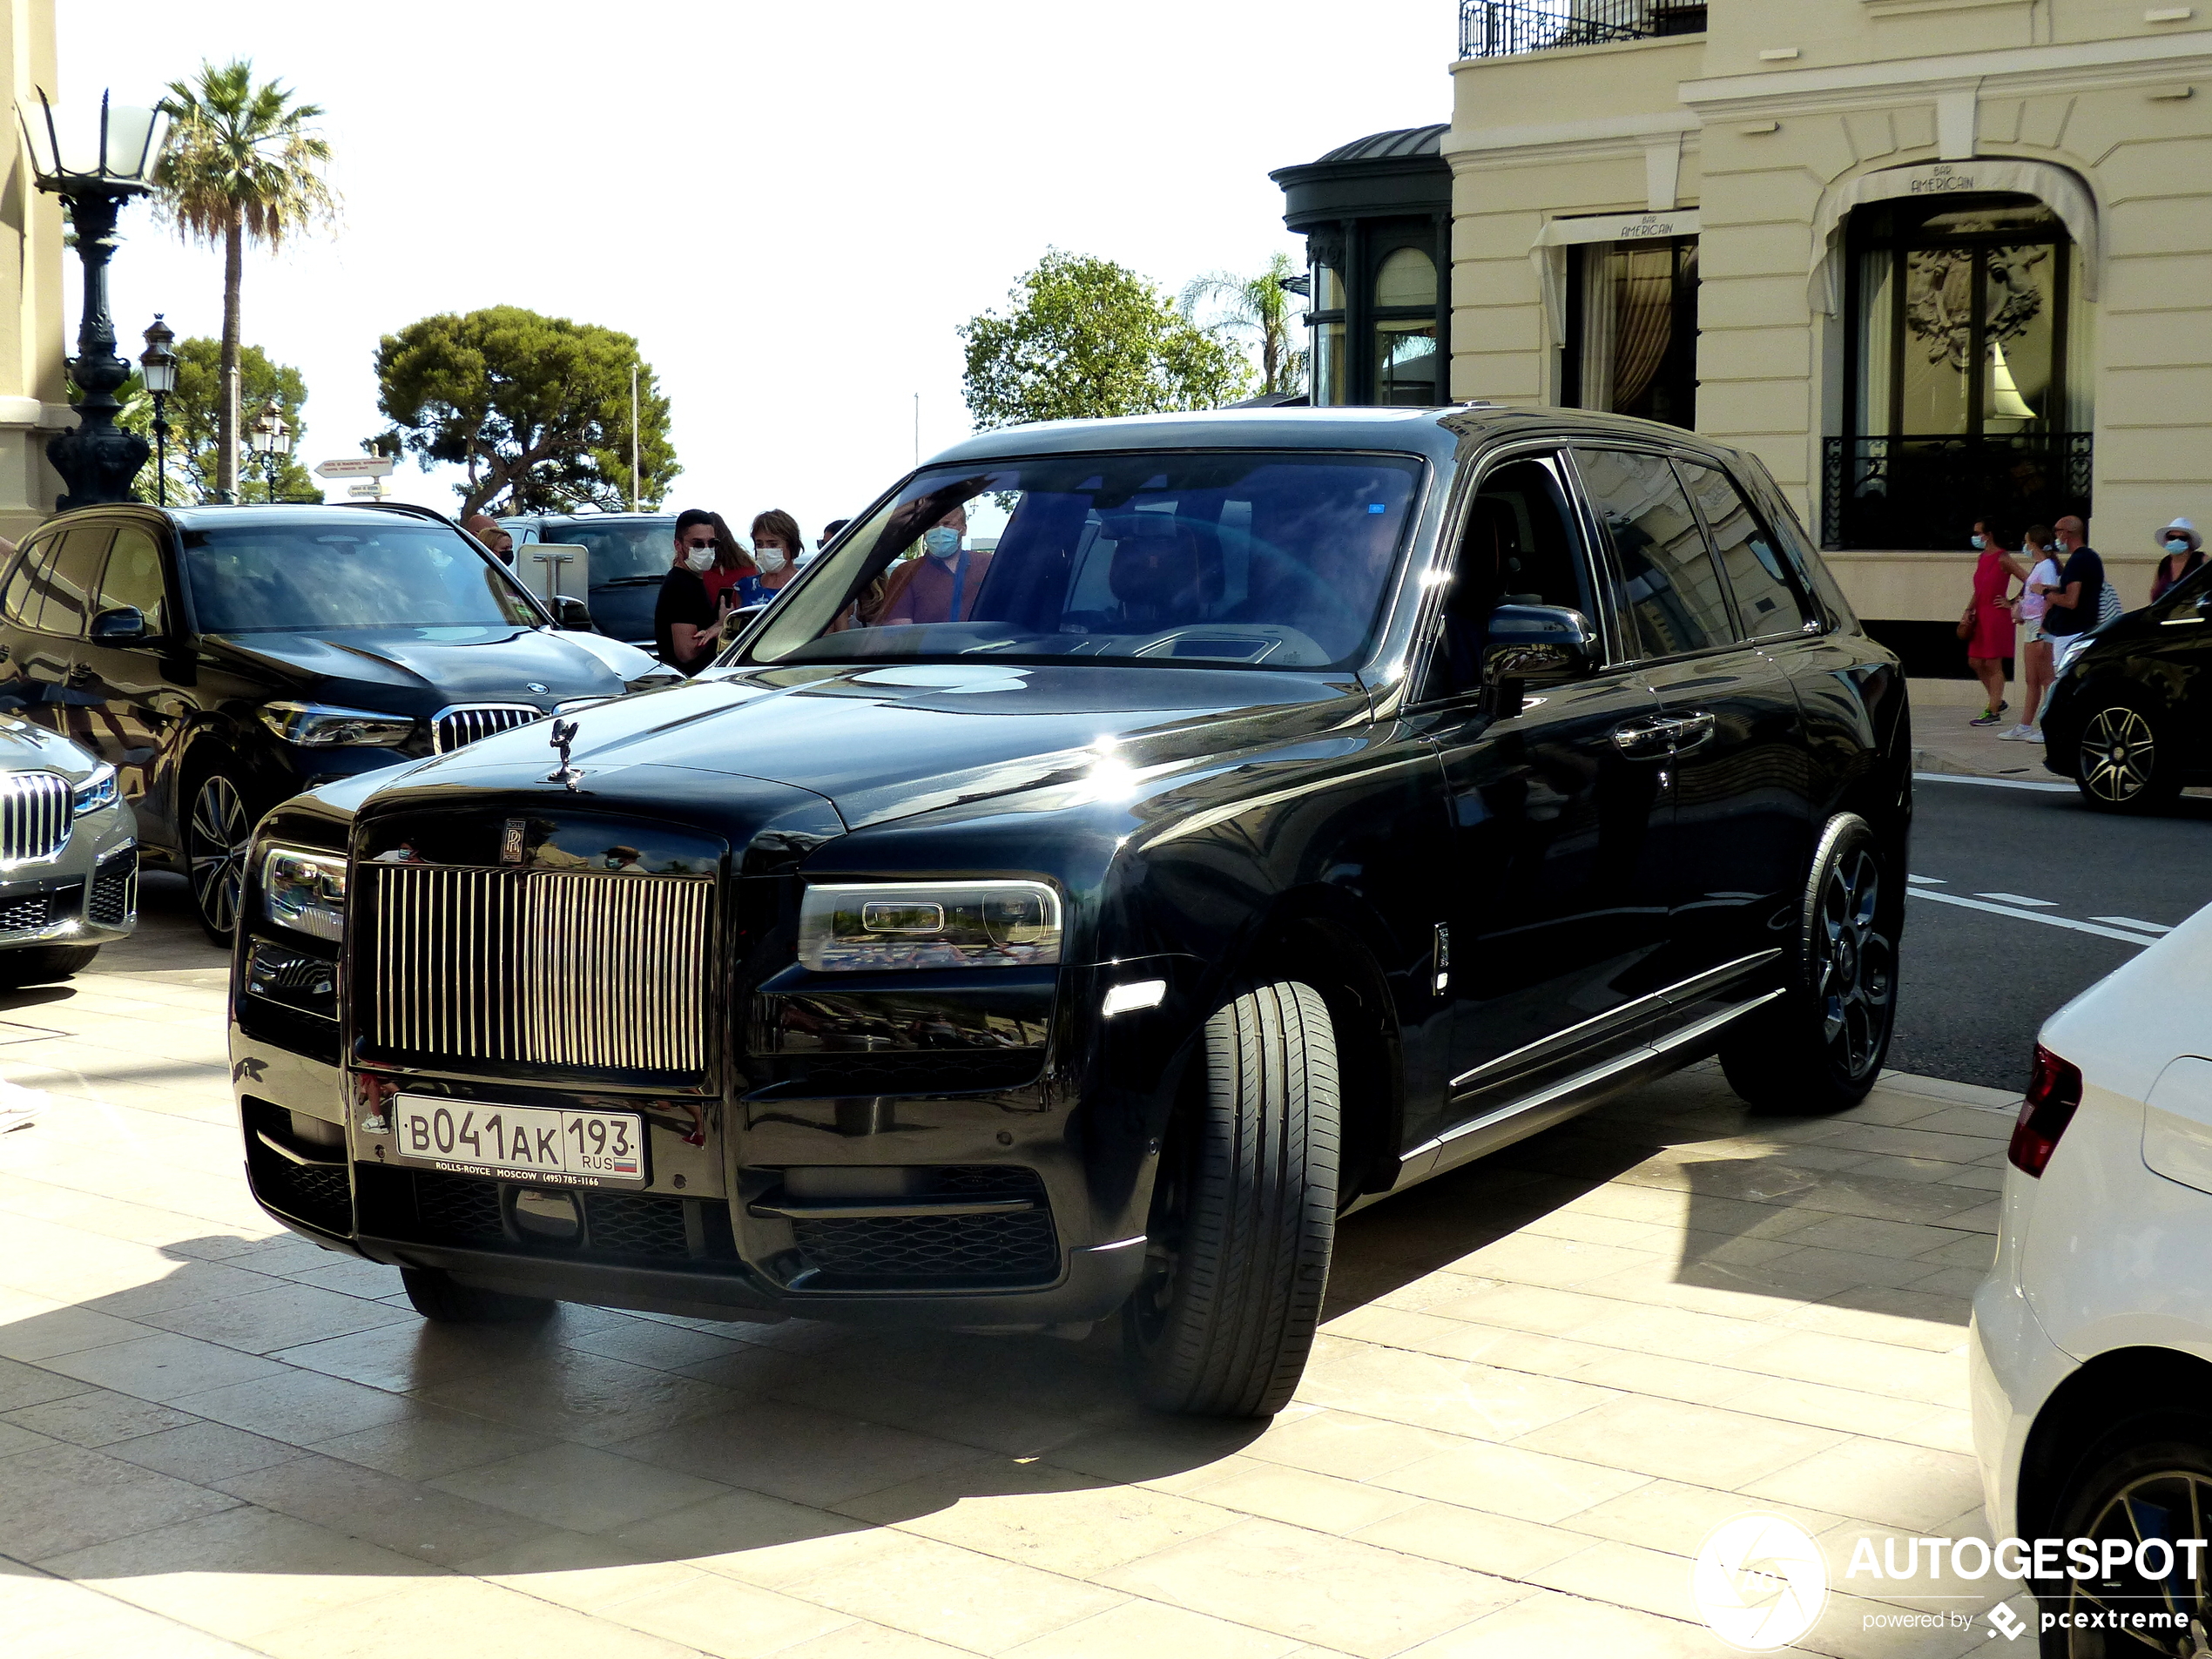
[(96, 791), (315, 726), (305, 892), (863, 928)]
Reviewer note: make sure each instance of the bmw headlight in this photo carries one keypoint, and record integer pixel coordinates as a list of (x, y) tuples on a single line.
[(96, 791), (315, 726), (305, 892), (868, 928)]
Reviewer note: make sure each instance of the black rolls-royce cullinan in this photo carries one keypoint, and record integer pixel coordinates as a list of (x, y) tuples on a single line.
[(1282, 808)]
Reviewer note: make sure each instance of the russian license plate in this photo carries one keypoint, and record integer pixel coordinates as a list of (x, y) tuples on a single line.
[(560, 1149)]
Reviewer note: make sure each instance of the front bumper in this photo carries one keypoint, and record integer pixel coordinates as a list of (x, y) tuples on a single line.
[(87, 894)]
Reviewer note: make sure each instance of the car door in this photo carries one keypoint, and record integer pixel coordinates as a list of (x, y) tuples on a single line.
[(21, 597), (130, 698), (52, 666), (1738, 842), (1555, 894)]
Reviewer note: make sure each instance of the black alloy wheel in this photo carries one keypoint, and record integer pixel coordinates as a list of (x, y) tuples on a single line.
[(218, 831), (2117, 765), (1819, 1047), (2152, 1479)]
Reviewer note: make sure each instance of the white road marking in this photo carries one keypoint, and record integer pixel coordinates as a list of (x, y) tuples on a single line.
[(2130, 921), (1993, 783), (1926, 880), (2019, 898), (2136, 939)]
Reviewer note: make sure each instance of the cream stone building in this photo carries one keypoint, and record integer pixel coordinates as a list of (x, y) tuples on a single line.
[(1928, 259), (33, 381)]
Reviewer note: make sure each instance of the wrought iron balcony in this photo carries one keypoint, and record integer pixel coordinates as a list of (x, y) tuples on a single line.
[(1926, 491), (1505, 28)]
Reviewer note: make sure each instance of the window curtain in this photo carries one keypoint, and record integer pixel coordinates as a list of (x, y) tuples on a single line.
[(1627, 322)]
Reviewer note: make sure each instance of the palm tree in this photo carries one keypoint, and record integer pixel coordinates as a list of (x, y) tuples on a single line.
[(1259, 309), (241, 162)]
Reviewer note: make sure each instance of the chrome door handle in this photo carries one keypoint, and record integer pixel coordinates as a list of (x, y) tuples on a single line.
[(1647, 737), (1691, 729)]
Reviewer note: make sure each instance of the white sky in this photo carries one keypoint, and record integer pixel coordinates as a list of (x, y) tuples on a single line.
[(792, 206)]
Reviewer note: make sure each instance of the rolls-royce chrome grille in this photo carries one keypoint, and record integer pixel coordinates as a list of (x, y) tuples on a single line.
[(604, 973), (462, 725), (36, 808)]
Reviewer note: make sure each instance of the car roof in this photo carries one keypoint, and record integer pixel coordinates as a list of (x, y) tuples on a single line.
[(586, 518), (305, 514)]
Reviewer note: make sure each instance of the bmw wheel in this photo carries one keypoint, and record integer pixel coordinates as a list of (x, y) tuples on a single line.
[(1819, 1046), (218, 831), (2120, 765)]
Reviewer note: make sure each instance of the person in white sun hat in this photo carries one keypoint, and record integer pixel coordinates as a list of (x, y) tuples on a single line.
[(2184, 551)]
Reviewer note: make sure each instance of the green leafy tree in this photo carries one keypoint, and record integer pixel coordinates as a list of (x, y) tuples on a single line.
[(241, 165), (1086, 337), (537, 409), (194, 413), (1259, 314)]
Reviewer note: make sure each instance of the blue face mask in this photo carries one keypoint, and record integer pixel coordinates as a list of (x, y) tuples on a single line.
[(942, 540), (2175, 544), (1978, 541)]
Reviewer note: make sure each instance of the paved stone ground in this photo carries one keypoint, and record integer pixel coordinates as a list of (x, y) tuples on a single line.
[(1544, 1380)]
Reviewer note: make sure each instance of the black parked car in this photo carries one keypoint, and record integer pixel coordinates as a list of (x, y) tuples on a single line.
[(1301, 804), (222, 659), (630, 556), (2129, 711)]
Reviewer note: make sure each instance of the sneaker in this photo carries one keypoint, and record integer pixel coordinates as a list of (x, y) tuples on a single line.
[(1988, 717), (2013, 733), (2032, 733)]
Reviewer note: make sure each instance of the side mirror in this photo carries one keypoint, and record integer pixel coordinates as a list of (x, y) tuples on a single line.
[(572, 613), (1539, 645), (124, 625)]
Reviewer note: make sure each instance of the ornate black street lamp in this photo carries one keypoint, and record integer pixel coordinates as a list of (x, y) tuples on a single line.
[(273, 442), (95, 167), (158, 369)]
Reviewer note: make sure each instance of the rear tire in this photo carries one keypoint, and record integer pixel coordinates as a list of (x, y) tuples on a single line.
[(2121, 764), (37, 964), (1244, 1213), (2148, 1477), (439, 1298), (1819, 1047)]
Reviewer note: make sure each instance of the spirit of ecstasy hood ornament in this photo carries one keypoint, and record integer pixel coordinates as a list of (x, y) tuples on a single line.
[(564, 734)]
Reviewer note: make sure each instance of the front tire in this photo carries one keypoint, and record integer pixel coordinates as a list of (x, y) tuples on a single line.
[(2121, 764), (218, 831), (1819, 1047), (442, 1299), (1244, 1213), (2150, 1477), (38, 964)]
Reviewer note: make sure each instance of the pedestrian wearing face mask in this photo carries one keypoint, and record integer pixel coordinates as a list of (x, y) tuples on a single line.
[(776, 547), (1987, 625), (942, 585), (735, 579), (684, 618), (2183, 551)]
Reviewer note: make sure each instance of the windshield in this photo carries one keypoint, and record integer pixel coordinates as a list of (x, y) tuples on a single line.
[(285, 578), (630, 551), (1259, 560)]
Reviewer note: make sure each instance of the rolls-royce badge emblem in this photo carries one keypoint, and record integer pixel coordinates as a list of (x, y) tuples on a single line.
[(511, 840), (563, 735)]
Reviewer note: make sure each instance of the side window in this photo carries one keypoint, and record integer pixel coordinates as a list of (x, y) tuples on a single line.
[(1671, 599), (133, 579), (1769, 602), (19, 597), (72, 579), (1519, 547)]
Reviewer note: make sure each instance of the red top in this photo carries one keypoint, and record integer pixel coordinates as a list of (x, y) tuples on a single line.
[(1993, 636)]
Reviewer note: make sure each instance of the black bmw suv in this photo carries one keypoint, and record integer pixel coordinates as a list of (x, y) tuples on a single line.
[(1277, 809), (222, 659)]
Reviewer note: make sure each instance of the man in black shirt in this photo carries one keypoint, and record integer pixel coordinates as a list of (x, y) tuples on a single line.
[(2082, 578), (684, 618)]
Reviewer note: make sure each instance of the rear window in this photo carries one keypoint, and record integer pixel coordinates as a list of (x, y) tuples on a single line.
[(626, 552)]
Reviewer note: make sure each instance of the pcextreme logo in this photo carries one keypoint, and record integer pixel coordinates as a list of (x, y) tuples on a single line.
[(1760, 1582)]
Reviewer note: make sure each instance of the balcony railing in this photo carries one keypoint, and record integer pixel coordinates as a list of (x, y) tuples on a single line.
[(1927, 491), (1504, 28)]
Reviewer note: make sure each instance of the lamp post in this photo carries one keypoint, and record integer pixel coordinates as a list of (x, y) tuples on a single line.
[(271, 441), (95, 167), (157, 368)]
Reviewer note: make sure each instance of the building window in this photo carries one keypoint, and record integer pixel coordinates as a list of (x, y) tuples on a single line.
[(1328, 360), (1404, 324), (1632, 329)]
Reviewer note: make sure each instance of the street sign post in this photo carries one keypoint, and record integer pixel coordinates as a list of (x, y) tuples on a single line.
[(355, 467), (373, 490)]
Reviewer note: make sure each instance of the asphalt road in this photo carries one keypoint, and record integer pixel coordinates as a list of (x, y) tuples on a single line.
[(1974, 985)]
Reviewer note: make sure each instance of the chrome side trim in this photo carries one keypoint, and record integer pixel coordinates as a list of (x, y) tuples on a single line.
[(291, 1156)]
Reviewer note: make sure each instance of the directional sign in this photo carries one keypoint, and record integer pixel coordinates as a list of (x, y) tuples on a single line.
[(355, 467), (373, 490)]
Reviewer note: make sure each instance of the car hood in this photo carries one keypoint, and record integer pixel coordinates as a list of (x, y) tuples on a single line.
[(889, 741), (440, 665), (25, 747)]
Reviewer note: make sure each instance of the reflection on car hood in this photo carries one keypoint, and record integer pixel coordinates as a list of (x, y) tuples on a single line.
[(885, 742), (458, 665), (25, 747)]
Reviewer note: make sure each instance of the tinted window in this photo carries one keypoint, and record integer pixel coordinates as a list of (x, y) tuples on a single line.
[(628, 552), (1277, 560), (71, 580), (133, 579), (395, 573), (19, 599), (1768, 600), (1519, 548), (1670, 592)]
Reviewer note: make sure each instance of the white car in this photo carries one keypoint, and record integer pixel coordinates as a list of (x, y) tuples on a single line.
[(2092, 1346)]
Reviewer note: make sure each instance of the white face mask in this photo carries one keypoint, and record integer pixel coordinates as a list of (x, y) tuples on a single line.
[(769, 560), (699, 558)]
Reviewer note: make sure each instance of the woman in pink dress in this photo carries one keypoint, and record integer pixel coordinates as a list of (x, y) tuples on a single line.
[(1989, 641)]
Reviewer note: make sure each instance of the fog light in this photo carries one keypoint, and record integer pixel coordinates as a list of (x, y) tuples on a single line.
[(540, 1214)]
